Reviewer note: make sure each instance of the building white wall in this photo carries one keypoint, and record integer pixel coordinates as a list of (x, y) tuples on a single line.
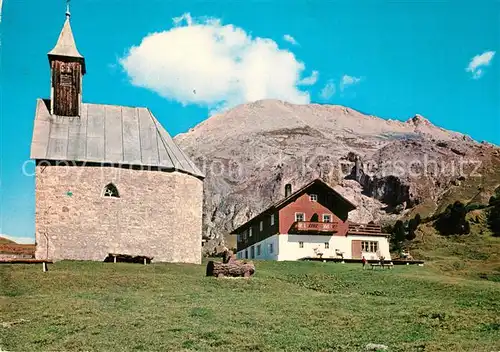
[(287, 247), (383, 246), (290, 248)]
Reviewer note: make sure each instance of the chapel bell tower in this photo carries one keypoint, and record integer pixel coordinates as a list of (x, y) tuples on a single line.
[(67, 67)]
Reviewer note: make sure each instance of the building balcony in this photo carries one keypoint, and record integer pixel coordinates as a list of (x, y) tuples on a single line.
[(316, 227), (364, 229)]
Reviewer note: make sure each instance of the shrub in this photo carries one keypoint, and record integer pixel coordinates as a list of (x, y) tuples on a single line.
[(474, 206), (494, 201)]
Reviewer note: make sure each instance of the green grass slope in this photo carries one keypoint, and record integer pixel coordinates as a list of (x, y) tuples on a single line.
[(474, 189), (476, 255), (4, 240), (294, 306)]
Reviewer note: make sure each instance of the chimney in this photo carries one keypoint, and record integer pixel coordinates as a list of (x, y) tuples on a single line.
[(288, 190)]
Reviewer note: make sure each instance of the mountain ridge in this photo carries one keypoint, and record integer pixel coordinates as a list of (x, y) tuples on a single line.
[(412, 124)]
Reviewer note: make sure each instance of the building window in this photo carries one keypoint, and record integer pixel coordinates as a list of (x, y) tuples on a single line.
[(111, 191), (252, 252), (250, 232), (245, 235), (313, 197), (272, 219), (299, 216), (271, 249), (261, 226), (246, 253), (258, 249), (327, 245), (327, 218), (301, 244), (369, 246)]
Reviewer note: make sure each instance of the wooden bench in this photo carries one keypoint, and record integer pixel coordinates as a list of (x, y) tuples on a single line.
[(126, 258), (44, 262), (380, 265)]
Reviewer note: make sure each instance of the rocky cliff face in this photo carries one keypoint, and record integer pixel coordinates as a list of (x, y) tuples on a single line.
[(387, 168)]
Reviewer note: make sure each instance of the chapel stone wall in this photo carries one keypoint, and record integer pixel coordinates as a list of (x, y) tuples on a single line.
[(157, 214)]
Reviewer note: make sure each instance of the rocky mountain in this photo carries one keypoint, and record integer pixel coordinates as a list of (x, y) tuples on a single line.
[(388, 168)]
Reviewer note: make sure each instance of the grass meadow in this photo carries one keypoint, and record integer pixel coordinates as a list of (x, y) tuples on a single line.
[(285, 306)]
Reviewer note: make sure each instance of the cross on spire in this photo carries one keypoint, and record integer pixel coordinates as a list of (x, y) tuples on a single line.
[(68, 14)]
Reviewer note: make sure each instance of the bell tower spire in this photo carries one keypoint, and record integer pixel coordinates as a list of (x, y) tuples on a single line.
[(67, 67)]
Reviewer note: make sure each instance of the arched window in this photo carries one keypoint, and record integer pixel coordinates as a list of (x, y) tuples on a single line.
[(111, 191)]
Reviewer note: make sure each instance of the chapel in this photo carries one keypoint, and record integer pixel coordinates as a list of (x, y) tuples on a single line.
[(109, 179)]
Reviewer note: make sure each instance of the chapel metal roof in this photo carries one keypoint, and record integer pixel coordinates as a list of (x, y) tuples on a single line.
[(107, 134)]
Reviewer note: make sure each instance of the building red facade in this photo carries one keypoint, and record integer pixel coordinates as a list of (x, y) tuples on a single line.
[(315, 208)]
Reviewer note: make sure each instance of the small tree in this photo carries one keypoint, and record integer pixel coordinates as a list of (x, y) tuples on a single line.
[(494, 201), (412, 227), (398, 233), (494, 219), (452, 221), (418, 219)]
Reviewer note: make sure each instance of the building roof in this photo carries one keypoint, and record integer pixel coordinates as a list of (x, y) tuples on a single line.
[(66, 45), (280, 204), (107, 134), (307, 186)]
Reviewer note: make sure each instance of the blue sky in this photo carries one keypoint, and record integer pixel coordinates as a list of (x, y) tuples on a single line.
[(390, 59)]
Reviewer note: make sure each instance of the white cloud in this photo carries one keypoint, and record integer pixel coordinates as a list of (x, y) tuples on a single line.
[(328, 90), (19, 240), (290, 39), (478, 62), (330, 87), (348, 81), (202, 61), (309, 81), (184, 17)]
